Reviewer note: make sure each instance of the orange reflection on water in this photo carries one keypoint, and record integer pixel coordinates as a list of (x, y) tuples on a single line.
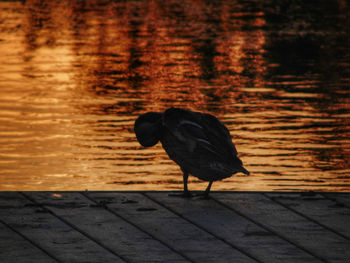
[(76, 74)]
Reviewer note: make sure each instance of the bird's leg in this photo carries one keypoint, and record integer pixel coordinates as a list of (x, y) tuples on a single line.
[(185, 193), (206, 192)]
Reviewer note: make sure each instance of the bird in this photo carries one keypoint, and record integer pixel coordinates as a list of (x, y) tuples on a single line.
[(198, 142)]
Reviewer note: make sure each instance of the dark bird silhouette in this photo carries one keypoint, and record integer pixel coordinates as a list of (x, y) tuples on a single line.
[(198, 142)]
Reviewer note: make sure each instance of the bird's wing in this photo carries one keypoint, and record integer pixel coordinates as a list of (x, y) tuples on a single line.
[(218, 135), (200, 132)]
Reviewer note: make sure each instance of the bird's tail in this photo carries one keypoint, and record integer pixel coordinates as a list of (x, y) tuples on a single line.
[(238, 166), (245, 171)]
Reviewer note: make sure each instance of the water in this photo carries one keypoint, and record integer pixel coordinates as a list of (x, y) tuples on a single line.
[(74, 75)]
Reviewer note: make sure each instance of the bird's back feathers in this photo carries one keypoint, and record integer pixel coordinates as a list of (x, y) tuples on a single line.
[(200, 130)]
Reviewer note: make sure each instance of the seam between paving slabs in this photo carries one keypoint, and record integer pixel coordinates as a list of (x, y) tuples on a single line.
[(202, 228), (271, 231), (74, 227), (30, 241), (135, 225), (308, 218)]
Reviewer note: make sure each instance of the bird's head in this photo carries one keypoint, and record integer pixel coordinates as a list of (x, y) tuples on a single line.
[(148, 128)]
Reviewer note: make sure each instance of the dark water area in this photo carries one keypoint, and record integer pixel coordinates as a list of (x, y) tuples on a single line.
[(74, 75)]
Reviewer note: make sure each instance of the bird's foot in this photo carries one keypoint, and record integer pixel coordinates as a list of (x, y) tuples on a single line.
[(183, 195)]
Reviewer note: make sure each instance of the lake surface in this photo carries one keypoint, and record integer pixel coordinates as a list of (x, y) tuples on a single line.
[(74, 75)]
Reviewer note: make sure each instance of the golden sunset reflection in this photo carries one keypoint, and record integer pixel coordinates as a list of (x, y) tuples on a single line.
[(76, 74)]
